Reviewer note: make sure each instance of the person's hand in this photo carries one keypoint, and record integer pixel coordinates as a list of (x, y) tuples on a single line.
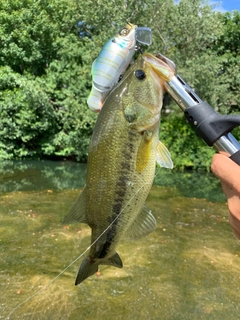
[(229, 174)]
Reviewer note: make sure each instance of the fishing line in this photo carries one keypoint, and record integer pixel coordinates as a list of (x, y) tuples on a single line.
[(88, 248)]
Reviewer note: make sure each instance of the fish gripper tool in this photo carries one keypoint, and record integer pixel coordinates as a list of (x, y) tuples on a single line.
[(210, 125)]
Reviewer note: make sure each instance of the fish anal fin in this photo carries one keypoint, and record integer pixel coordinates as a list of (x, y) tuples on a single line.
[(144, 224), (163, 156), (78, 210), (114, 261)]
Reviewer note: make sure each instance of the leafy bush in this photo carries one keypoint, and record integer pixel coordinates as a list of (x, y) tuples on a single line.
[(47, 49), (186, 148)]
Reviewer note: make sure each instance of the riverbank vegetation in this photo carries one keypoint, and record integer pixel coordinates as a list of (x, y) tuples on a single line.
[(47, 49)]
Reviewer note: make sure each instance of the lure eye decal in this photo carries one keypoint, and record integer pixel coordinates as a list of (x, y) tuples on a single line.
[(124, 32), (140, 74)]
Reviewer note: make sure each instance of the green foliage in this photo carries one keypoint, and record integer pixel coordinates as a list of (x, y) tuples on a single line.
[(67, 84), (187, 150), (27, 36), (26, 116), (185, 30), (45, 70), (228, 41), (227, 49), (44, 87)]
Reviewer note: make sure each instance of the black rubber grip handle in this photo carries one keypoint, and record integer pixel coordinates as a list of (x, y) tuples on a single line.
[(236, 157)]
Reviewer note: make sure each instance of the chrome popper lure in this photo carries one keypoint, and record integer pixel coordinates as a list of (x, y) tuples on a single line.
[(113, 60)]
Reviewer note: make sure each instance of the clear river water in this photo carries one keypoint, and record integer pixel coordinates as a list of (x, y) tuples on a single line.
[(188, 268)]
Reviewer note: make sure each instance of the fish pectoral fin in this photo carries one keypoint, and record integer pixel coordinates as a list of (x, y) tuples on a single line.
[(163, 156), (114, 261), (143, 154), (144, 224), (77, 212), (87, 269)]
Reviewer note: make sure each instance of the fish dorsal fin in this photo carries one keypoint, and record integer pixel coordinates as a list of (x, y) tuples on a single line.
[(78, 210), (163, 156), (144, 224)]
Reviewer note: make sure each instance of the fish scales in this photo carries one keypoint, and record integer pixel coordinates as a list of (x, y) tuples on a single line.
[(121, 164), (117, 142)]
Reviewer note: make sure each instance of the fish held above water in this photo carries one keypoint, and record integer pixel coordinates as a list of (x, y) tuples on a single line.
[(122, 158)]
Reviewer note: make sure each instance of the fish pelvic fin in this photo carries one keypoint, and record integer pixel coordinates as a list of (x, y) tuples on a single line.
[(163, 156), (77, 212), (89, 267)]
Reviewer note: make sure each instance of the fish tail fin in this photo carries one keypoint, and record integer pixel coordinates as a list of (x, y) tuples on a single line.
[(88, 267)]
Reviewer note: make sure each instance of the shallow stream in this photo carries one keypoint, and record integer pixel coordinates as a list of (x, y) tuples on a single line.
[(189, 268)]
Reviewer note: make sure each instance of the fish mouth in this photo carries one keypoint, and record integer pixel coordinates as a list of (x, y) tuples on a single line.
[(162, 69)]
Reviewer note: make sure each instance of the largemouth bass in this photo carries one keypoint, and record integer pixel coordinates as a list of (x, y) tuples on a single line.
[(122, 158)]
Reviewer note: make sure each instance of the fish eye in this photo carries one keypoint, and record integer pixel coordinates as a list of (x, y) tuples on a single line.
[(140, 74), (124, 32)]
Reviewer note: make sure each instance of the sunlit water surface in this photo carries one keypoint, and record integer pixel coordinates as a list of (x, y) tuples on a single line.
[(189, 268)]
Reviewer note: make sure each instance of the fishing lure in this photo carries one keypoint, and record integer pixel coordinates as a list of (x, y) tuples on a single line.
[(113, 60)]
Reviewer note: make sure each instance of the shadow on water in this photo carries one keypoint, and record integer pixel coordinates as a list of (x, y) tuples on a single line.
[(191, 184), (40, 175), (189, 268)]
